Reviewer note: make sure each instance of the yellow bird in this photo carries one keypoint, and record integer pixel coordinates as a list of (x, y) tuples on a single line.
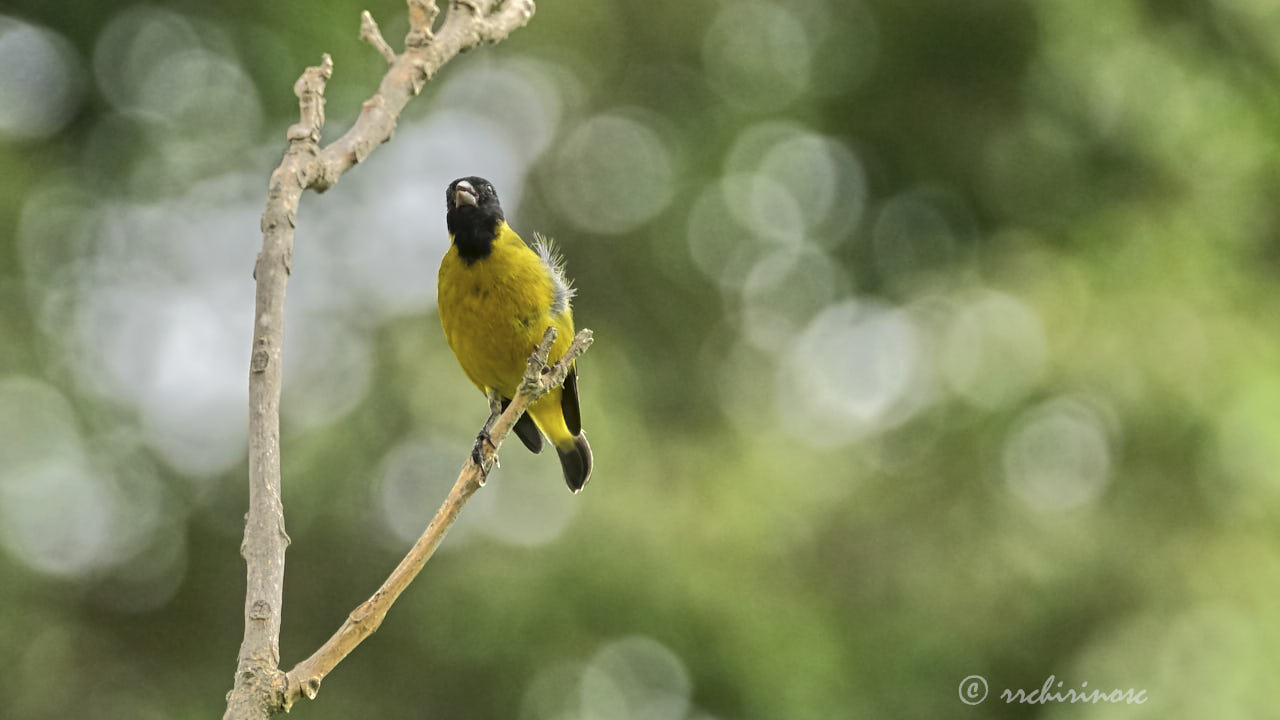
[(497, 296)]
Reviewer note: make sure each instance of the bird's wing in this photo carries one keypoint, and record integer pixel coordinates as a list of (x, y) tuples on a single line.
[(569, 403)]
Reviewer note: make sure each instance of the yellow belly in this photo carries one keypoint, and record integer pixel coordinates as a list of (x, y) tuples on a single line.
[(494, 312)]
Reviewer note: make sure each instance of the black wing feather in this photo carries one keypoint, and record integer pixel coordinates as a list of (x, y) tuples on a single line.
[(569, 402)]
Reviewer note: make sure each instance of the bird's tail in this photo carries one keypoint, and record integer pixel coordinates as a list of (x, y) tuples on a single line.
[(575, 459)]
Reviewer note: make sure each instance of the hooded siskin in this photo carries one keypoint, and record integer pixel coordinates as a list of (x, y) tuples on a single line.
[(497, 296)]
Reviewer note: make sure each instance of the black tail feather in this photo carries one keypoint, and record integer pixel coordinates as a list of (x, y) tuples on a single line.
[(526, 430), (576, 462)]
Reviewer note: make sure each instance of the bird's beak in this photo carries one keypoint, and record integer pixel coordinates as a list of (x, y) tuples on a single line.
[(464, 194)]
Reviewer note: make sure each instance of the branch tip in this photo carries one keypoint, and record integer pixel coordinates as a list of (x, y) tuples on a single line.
[(544, 347), (581, 342), (310, 91), (513, 14), (370, 33)]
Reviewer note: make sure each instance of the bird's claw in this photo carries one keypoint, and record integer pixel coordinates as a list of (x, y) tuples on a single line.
[(477, 453)]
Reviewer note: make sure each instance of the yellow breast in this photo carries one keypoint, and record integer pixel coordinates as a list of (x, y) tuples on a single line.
[(494, 311)]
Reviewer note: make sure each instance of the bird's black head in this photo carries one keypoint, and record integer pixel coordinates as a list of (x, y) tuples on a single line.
[(473, 215)]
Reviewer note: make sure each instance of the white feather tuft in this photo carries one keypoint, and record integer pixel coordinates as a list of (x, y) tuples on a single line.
[(563, 288)]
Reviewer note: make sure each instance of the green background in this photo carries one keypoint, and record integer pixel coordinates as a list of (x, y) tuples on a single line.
[(933, 339)]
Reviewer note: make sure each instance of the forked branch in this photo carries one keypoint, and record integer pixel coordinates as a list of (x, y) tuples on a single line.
[(260, 687)]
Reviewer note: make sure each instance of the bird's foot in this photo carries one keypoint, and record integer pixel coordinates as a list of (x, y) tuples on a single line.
[(477, 454)]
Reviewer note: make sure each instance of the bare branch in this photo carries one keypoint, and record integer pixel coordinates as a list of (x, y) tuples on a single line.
[(551, 377), (304, 679), (260, 687), (513, 14), (370, 33), (422, 15), (259, 684), (310, 91), (406, 76)]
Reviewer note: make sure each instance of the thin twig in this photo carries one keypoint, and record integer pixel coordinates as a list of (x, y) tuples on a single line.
[(305, 678), (406, 77), (260, 687), (370, 33)]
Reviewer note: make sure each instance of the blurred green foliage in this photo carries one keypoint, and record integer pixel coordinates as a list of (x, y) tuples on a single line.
[(933, 339)]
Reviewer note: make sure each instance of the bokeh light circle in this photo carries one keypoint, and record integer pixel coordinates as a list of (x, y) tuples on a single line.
[(193, 88), (413, 478), (530, 504), (853, 371), (193, 400), (553, 693), (635, 678), (42, 83), (330, 369), (58, 517), (757, 55), (60, 513), (793, 182), (994, 351), (912, 238), (736, 220), (489, 90), (138, 40), (612, 174), (783, 291), (765, 205), (36, 423), (721, 247), (1058, 455), (827, 180)]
